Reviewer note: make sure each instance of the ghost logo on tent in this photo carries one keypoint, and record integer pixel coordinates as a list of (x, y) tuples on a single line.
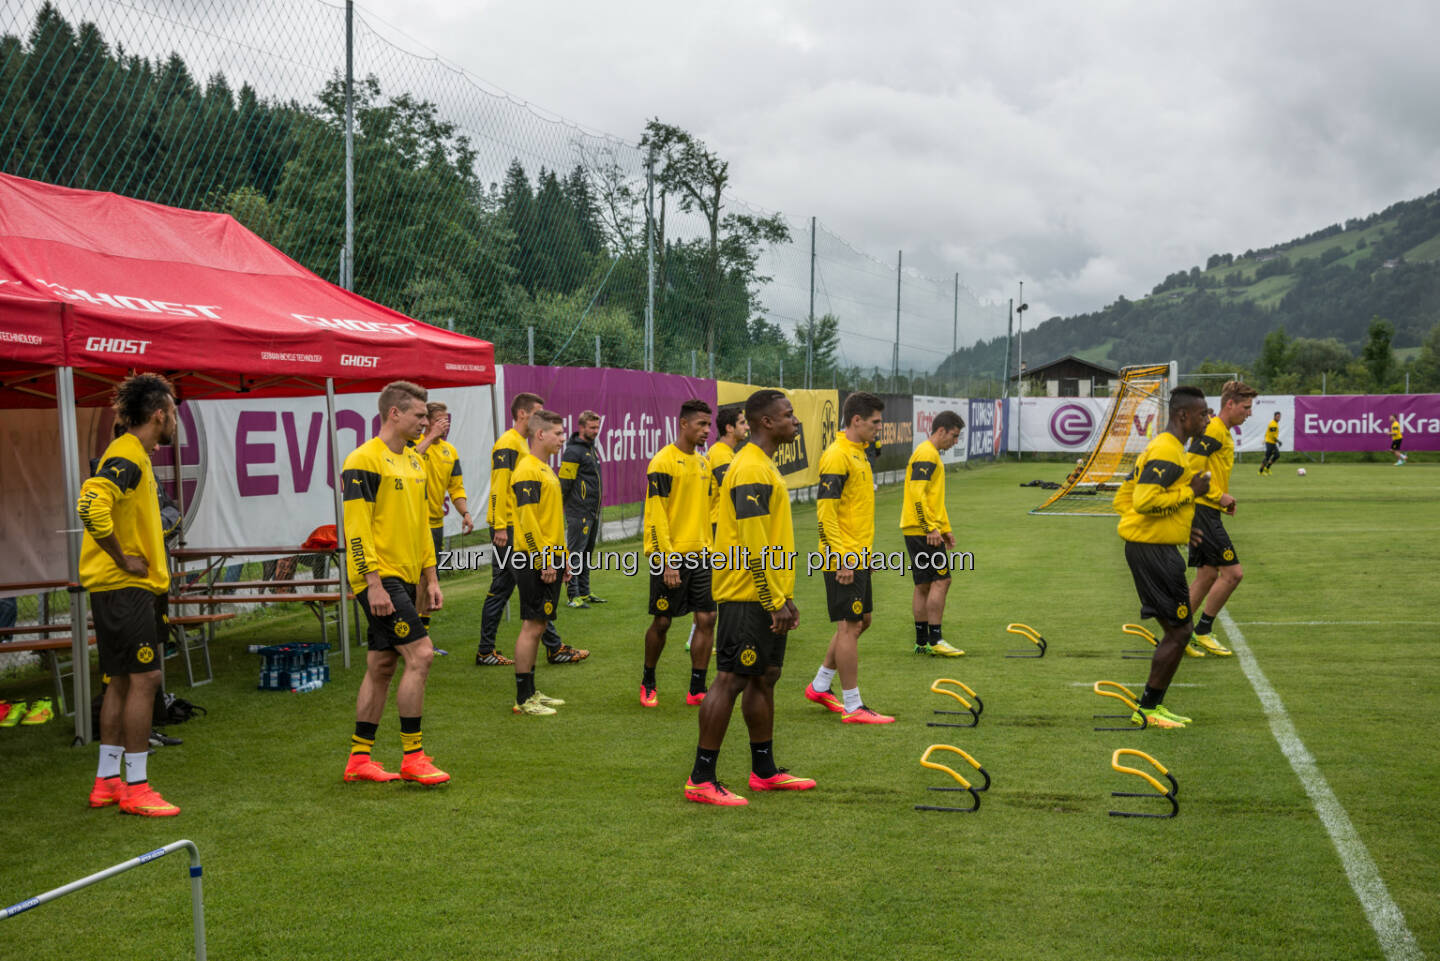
[(358, 360), (116, 345), (1071, 425)]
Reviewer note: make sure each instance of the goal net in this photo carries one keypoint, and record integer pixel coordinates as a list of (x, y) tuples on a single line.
[(1136, 412)]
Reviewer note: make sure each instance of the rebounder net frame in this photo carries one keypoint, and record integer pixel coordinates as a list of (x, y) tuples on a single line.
[(1143, 389)]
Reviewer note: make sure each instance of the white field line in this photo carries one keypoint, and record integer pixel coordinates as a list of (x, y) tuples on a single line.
[(1129, 684), (1395, 938)]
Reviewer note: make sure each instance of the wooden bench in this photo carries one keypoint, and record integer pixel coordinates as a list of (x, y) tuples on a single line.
[(50, 649), (316, 600), (289, 586)]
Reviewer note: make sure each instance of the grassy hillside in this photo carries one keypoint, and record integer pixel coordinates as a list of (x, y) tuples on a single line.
[(1329, 284)]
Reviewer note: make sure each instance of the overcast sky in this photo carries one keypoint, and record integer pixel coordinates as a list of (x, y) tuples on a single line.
[(1086, 148)]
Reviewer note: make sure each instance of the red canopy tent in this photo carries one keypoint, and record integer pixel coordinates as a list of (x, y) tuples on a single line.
[(95, 285)]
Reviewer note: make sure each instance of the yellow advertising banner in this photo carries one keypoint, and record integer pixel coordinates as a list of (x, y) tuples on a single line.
[(819, 415)]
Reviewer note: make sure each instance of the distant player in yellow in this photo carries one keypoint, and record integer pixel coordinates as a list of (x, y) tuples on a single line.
[(443, 478), (539, 560), (926, 525), (390, 559), (124, 566), (1217, 564), (1397, 440), (1272, 444), (757, 606), (732, 432), (1157, 504), (676, 530), (845, 511)]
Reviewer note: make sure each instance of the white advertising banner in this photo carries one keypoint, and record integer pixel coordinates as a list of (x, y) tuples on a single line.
[(1050, 425), (925, 409), (267, 478)]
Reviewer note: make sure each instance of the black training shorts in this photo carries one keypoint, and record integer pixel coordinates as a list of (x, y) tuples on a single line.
[(692, 595), (539, 601), (1396, 443), (1215, 548), (848, 602), (1159, 575), (927, 563), (130, 629), (398, 628), (744, 643)]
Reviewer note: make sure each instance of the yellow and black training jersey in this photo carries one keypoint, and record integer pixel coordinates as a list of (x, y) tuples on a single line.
[(1214, 451), (1272, 432), (922, 506), (845, 502), (755, 533), (678, 493), (539, 512), (506, 453), (387, 529), (442, 476), (1395, 432), (122, 499), (719, 456), (1163, 504)]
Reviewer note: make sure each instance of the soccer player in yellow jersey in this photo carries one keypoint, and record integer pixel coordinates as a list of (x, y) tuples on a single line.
[(755, 588), (1272, 443), (926, 525), (1218, 570), (538, 558), (1158, 503), (732, 432), (1397, 439), (443, 477), (124, 567), (390, 560), (676, 528), (845, 510), (500, 517)]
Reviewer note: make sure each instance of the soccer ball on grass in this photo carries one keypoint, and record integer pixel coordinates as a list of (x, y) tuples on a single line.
[(1300, 471)]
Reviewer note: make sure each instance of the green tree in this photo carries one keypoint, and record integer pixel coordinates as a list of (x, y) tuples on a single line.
[(1379, 358), (1274, 358)]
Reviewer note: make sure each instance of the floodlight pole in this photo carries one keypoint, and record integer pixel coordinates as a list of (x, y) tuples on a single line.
[(1009, 336), (810, 338), (650, 260), (895, 361), (347, 272)]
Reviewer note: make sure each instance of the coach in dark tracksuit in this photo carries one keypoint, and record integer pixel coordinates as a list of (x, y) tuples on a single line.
[(580, 488)]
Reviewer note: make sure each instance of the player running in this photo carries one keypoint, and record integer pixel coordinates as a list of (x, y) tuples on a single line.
[(1272, 444), (1156, 504), (756, 606), (1397, 440), (1218, 570), (390, 558), (679, 492), (845, 510), (926, 525)]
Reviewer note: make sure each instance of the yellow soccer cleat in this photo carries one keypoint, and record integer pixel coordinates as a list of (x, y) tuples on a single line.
[(1211, 645), (943, 649)]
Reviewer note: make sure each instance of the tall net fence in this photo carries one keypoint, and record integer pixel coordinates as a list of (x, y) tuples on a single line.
[(472, 209)]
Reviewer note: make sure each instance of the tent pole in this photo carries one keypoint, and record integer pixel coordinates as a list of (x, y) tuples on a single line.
[(79, 640), (344, 607)]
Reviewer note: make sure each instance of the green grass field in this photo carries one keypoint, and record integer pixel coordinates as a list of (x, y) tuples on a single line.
[(567, 837)]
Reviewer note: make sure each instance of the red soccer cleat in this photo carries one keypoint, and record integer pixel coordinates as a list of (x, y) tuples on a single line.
[(362, 767), (107, 791), (712, 792), (826, 698), (781, 780)]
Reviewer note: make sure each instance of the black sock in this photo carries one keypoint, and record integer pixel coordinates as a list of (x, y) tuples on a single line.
[(1152, 697), (704, 769), (762, 758), (648, 678), (366, 730), (524, 686), (935, 634), (697, 680), (922, 633), (1204, 625)]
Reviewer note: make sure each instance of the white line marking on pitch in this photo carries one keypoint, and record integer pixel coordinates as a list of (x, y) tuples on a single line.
[(1395, 938)]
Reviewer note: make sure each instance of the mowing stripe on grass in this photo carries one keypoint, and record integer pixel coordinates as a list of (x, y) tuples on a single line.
[(1324, 623), (1395, 938)]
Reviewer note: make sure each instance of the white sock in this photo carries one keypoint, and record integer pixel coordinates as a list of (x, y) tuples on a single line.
[(823, 677), (135, 767), (852, 700), (110, 755)]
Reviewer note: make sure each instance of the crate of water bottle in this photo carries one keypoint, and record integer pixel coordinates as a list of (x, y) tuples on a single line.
[(294, 667)]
